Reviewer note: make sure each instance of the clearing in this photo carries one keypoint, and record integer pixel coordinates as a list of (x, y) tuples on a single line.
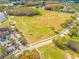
[(39, 27)]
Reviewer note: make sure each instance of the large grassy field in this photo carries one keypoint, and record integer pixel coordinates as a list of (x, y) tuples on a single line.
[(39, 27), (52, 52)]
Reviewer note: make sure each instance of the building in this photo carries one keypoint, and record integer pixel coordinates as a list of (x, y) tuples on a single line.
[(3, 30), (2, 17), (73, 45), (4, 1)]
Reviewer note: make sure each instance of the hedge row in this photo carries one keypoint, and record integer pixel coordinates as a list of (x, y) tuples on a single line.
[(22, 11)]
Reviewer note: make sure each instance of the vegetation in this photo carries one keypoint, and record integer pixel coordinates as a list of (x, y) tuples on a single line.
[(1, 8), (2, 51), (22, 11), (76, 39), (33, 3), (66, 23), (73, 32), (52, 52), (61, 42), (39, 27), (30, 55), (53, 8), (68, 7), (12, 57)]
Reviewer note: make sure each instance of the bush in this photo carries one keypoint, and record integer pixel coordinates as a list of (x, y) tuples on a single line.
[(32, 3), (60, 8), (60, 42), (30, 55), (22, 11), (53, 8), (1, 8)]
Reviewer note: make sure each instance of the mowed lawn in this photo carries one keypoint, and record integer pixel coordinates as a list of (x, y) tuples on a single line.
[(52, 52), (39, 27)]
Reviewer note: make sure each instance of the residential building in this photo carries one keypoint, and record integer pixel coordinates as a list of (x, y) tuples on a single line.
[(4, 1), (2, 17)]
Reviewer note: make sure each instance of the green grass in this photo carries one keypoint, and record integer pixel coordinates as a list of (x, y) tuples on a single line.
[(73, 54), (4, 23), (41, 11), (75, 39), (54, 53), (39, 26)]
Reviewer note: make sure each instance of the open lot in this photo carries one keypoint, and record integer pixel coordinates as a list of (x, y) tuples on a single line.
[(39, 27)]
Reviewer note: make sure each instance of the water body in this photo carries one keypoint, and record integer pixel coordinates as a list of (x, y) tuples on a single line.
[(3, 17)]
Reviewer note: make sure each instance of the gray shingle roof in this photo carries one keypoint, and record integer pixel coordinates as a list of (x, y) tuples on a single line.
[(2, 17)]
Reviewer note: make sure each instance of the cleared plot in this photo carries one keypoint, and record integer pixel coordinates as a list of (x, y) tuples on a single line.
[(52, 52), (37, 28)]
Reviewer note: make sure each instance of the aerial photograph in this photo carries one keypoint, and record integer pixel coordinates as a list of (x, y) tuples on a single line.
[(39, 29)]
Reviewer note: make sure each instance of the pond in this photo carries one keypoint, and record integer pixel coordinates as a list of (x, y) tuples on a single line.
[(3, 17)]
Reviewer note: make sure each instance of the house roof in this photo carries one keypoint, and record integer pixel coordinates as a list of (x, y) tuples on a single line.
[(3, 29), (2, 17), (74, 44), (0, 33)]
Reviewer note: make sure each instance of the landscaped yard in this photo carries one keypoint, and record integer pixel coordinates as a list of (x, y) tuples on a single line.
[(39, 27)]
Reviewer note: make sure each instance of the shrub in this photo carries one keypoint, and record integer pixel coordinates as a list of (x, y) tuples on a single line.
[(30, 55), (60, 42), (22, 11), (53, 8), (32, 3), (1, 8)]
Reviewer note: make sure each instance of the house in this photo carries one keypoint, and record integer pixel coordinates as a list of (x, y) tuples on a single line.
[(2, 17), (2, 30), (73, 45), (4, 1), (8, 5), (0, 34)]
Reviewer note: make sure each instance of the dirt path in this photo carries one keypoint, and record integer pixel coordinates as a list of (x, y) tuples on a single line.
[(68, 55), (76, 57)]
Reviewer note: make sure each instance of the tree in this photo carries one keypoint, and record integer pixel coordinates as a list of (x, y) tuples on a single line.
[(65, 24), (22, 11), (60, 42), (74, 31), (30, 55), (2, 50)]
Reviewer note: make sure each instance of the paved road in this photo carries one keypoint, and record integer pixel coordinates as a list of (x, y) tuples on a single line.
[(31, 47), (42, 43)]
